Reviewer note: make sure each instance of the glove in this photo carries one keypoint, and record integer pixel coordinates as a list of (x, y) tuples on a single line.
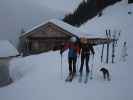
[(61, 52)]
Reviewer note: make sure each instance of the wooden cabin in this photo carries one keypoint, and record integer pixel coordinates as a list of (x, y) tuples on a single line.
[(51, 35), (47, 36)]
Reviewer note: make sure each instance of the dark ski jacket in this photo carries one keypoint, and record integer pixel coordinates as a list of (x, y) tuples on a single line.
[(86, 49)]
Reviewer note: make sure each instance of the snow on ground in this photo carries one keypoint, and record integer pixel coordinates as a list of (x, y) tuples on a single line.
[(38, 77)]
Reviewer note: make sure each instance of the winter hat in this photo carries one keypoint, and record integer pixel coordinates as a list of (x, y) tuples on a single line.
[(73, 39), (83, 40)]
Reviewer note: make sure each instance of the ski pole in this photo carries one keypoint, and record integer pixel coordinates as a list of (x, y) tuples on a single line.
[(61, 73), (77, 62), (92, 67)]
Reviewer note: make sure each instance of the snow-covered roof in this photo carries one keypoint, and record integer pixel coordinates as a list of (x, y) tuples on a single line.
[(7, 49), (74, 30)]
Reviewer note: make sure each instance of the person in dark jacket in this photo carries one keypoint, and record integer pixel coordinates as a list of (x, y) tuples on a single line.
[(86, 49), (73, 47)]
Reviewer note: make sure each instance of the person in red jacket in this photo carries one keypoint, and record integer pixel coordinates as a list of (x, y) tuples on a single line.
[(73, 52)]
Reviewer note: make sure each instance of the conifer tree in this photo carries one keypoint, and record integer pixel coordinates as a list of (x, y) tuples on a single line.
[(87, 9)]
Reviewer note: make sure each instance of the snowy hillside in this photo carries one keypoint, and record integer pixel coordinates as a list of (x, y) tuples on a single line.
[(38, 77)]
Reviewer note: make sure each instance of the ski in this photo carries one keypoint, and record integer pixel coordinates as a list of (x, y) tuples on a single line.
[(108, 34), (69, 78), (86, 78), (80, 78), (113, 48), (102, 53), (91, 75)]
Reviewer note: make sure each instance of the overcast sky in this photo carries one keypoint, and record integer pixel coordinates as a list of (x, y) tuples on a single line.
[(64, 5), (17, 14)]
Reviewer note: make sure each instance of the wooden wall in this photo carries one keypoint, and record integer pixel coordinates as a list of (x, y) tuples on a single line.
[(46, 38)]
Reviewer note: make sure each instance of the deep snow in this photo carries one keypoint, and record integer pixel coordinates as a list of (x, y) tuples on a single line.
[(38, 77)]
